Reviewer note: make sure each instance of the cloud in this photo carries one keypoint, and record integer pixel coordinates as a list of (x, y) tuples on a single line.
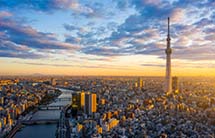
[(77, 7), (72, 40), (22, 41), (97, 58), (49, 6), (102, 51), (26, 35), (122, 5), (195, 53), (8, 45), (70, 27), (152, 65), (22, 55), (4, 14), (203, 22), (12, 50), (178, 15), (152, 2)]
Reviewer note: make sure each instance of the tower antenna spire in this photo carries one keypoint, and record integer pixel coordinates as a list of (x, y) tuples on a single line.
[(168, 28)]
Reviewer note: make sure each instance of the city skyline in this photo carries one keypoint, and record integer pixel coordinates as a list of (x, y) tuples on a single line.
[(119, 38)]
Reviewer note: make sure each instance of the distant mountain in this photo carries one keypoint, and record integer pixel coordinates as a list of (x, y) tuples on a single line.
[(38, 74)]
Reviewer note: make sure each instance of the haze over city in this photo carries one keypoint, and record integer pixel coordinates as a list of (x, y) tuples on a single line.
[(123, 37)]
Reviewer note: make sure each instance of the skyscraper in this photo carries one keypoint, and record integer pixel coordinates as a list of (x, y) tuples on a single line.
[(175, 84), (78, 100), (82, 99), (90, 103), (53, 81), (94, 103), (168, 80), (140, 83)]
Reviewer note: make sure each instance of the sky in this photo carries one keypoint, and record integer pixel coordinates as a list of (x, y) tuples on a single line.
[(106, 37)]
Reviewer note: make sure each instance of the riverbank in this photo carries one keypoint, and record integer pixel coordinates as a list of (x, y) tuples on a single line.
[(47, 99), (45, 130)]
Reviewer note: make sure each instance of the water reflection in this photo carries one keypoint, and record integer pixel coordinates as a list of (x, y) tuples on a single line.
[(37, 131), (45, 130)]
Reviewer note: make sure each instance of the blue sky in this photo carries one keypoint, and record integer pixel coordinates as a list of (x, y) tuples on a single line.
[(126, 35)]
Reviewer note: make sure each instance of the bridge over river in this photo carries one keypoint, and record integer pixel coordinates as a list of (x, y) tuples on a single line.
[(40, 121), (55, 106), (50, 107), (63, 99)]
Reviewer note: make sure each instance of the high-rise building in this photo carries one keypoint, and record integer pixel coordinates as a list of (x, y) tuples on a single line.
[(53, 81), (135, 84), (82, 99), (1, 100), (76, 101), (1, 126), (175, 84), (90, 103), (168, 80), (140, 83), (87, 106), (94, 103)]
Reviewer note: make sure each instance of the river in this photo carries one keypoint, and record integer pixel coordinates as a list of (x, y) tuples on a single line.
[(44, 130)]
